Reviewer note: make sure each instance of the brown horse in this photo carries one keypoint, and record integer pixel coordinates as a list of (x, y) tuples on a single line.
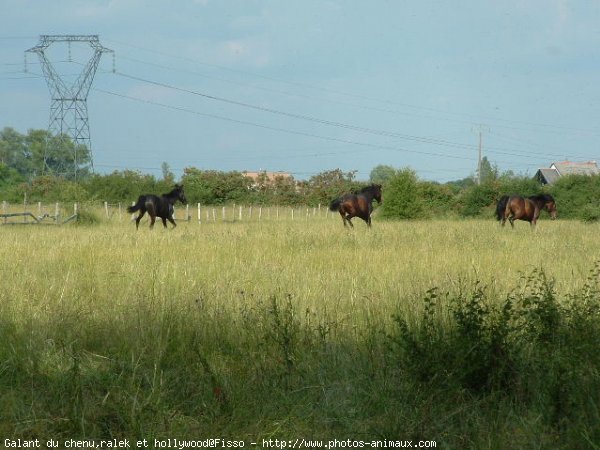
[(519, 208), (357, 205)]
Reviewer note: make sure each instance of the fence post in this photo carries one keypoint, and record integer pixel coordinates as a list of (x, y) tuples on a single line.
[(187, 213), (199, 214), (292, 213), (214, 215), (223, 214), (106, 210), (240, 213), (57, 213), (259, 213), (120, 212)]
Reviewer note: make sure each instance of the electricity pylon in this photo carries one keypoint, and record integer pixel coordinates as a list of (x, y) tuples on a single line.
[(68, 109)]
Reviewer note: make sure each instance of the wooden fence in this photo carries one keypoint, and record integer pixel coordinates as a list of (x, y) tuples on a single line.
[(31, 214), (58, 213)]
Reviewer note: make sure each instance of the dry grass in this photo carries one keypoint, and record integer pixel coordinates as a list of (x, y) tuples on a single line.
[(107, 328)]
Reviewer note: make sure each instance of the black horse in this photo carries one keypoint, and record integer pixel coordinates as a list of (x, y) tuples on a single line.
[(516, 207), (157, 206), (358, 204)]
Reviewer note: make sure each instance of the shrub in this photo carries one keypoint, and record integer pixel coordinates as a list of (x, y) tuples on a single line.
[(531, 349), (401, 199)]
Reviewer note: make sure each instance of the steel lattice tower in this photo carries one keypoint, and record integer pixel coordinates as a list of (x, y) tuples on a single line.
[(68, 109)]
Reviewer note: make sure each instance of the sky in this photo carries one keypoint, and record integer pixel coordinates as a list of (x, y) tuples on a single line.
[(305, 86)]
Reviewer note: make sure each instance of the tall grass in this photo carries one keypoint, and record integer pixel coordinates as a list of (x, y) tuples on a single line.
[(454, 331)]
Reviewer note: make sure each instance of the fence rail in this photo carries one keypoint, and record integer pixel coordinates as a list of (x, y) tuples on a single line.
[(52, 213), (25, 214)]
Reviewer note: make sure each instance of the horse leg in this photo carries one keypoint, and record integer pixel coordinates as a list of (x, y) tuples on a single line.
[(511, 219), (152, 213), (534, 221), (170, 219), (138, 218), (164, 221), (348, 220), (343, 214)]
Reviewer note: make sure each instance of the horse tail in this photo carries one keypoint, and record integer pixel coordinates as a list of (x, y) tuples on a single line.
[(138, 205), (335, 204), (501, 207)]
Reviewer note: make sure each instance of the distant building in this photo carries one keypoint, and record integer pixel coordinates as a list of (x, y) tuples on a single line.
[(270, 176), (559, 169)]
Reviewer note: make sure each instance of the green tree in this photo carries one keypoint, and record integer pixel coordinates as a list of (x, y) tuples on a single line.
[(39, 152), (327, 185), (401, 198), (167, 175), (478, 197), (489, 172), (213, 187), (382, 174), (121, 186)]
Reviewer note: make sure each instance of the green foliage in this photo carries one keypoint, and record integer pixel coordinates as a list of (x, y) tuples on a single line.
[(530, 350), (401, 198), (123, 186), (478, 197), (525, 186), (382, 174), (87, 217), (52, 189), (327, 185), (26, 153), (215, 187), (590, 213), (577, 196), (439, 200), (404, 195)]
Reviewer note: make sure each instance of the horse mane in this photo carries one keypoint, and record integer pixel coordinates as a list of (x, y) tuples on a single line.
[(172, 192), (370, 188), (545, 198)]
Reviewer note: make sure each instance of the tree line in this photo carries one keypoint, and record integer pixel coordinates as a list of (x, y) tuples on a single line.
[(40, 167)]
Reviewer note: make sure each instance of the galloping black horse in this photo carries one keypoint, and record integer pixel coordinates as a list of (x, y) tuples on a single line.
[(157, 206), (357, 205), (528, 209)]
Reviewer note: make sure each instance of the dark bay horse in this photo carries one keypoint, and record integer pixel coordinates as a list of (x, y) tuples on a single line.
[(357, 205), (519, 208), (157, 206)]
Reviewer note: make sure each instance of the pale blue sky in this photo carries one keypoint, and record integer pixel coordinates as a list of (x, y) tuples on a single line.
[(306, 86)]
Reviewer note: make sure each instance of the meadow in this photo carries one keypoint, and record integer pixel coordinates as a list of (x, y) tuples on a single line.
[(453, 331)]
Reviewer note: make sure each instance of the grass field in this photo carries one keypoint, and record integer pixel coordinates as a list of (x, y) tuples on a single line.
[(300, 329)]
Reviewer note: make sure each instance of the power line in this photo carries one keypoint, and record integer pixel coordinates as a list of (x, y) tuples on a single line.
[(547, 127), (283, 130), (421, 139), (301, 116)]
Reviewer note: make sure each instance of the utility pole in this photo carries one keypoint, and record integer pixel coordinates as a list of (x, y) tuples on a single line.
[(479, 129), (68, 109)]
